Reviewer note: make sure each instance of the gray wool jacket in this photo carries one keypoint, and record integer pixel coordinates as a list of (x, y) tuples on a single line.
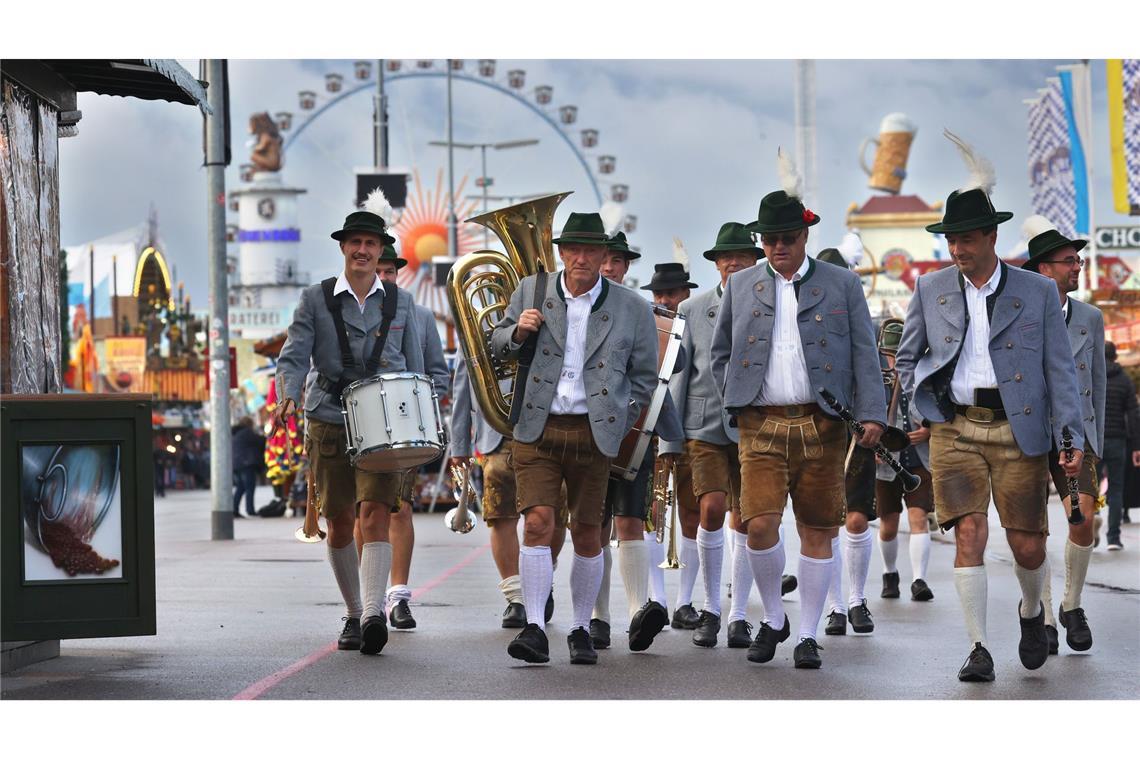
[(1086, 338), (620, 367), (434, 361)]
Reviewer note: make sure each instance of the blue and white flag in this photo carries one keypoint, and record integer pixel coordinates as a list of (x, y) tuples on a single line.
[(1058, 175)]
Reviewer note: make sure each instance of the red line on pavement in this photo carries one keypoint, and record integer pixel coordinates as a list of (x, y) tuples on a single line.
[(255, 690)]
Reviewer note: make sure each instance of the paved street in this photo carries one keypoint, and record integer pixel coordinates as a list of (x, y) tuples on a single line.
[(257, 617)]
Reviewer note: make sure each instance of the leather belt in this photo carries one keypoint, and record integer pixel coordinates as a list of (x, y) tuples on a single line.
[(981, 413), (792, 410)]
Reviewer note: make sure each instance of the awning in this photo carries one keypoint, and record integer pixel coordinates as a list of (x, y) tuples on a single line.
[(146, 78)]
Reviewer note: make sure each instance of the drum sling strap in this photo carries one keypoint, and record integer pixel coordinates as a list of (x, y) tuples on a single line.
[(347, 360), (526, 353)]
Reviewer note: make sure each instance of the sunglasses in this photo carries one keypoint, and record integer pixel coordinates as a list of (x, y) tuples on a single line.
[(787, 238), (1069, 262)]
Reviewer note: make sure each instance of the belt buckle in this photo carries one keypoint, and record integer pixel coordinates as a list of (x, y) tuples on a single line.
[(979, 414), (795, 410)]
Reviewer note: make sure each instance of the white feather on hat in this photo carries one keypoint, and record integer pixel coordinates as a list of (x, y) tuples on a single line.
[(377, 203), (851, 249), (612, 214), (982, 174), (790, 180), (680, 255), (1035, 225)]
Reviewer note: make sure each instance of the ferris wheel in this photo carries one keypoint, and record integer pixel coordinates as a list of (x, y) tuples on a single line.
[(422, 229)]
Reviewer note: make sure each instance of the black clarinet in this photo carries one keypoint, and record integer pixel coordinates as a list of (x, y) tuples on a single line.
[(1075, 516), (910, 481)]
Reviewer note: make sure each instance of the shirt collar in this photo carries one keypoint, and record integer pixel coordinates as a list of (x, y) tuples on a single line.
[(991, 284), (720, 291), (593, 293), (800, 274), (342, 285)]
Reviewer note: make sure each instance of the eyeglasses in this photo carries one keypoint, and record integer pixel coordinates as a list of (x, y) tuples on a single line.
[(1069, 262), (787, 238)]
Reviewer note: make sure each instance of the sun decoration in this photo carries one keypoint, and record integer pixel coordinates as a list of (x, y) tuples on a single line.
[(422, 231)]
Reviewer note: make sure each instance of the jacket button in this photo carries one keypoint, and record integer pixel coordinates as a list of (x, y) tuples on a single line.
[(1081, 365), (755, 312), (745, 363), (712, 315), (530, 406), (823, 341), (549, 304), (1017, 377), (942, 300), (537, 380), (949, 339), (751, 338), (1028, 410), (605, 392), (601, 364), (815, 291), (605, 317), (1017, 304), (612, 419), (1088, 392), (937, 365), (546, 352), (818, 317), (827, 368), (759, 287), (1009, 345), (1084, 331)]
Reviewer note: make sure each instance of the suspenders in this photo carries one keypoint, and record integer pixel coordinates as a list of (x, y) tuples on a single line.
[(347, 360)]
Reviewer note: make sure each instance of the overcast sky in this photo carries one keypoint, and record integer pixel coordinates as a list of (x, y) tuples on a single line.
[(694, 140)]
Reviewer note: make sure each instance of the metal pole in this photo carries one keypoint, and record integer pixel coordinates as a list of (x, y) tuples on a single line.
[(380, 121), (452, 232), (221, 460), (1085, 83), (805, 132), (486, 231)]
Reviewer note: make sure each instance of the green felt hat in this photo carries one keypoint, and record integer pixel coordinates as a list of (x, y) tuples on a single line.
[(780, 212), (364, 221), (389, 254), (670, 275), (619, 244), (584, 229), (733, 236), (832, 256), (1045, 243), (969, 210)]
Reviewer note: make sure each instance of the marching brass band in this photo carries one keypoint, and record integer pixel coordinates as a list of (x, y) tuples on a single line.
[(587, 405)]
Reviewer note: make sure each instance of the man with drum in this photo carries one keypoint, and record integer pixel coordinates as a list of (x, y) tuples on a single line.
[(402, 528), (1058, 258), (985, 356), (593, 371), (785, 330), (340, 344)]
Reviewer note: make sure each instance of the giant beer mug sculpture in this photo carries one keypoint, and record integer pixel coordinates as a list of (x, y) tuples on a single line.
[(892, 148)]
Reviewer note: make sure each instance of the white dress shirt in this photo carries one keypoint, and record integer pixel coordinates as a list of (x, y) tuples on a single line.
[(342, 285), (975, 369), (786, 379), (570, 395)]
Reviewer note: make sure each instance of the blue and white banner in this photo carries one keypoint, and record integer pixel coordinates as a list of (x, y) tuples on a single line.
[(1058, 173)]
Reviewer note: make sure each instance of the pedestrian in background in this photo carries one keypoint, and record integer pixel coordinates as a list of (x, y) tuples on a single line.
[(249, 451), (1121, 439)]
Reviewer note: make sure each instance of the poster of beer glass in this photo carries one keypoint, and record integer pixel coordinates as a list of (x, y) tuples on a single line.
[(72, 513)]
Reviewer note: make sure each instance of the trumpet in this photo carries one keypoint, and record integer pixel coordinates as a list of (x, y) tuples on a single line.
[(664, 507), (460, 519), (310, 532)]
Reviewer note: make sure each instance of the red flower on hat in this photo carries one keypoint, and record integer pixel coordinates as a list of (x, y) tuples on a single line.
[(808, 216)]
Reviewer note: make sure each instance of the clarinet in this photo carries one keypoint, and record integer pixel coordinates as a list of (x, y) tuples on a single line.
[(910, 481), (1075, 516)]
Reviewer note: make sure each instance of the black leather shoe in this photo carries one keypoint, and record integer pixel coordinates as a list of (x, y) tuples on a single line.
[(806, 655), (836, 624), (707, 628), (739, 634), (647, 622), (373, 635), (401, 616), (581, 649), (239, 515), (685, 618), (788, 584), (514, 616), (890, 586), (979, 666), (530, 645), (920, 592), (1033, 649), (763, 648), (860, 616), (350, 636), (599, 633), (1078, 635), (548, 611), (1051, 634)]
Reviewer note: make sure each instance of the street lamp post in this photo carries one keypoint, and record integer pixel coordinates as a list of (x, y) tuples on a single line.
[(452, 223)]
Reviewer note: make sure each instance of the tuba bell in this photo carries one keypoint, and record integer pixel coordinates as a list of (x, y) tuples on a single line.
[(479, 289)]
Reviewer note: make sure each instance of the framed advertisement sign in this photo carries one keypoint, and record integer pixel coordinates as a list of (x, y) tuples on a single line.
[(77, 516)]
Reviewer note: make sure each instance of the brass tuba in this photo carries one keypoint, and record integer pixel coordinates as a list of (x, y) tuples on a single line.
[(479, 289)]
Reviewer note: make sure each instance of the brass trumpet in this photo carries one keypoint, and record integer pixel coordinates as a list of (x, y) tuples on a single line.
[(460, 519), (310, 532), (665, 506)]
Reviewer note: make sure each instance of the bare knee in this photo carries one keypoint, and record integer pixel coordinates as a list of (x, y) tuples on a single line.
[(538, 526), (763, 531), (712, 510), (889, 527), (970, 535), (587, 540), (856, 523), (1028, 548)]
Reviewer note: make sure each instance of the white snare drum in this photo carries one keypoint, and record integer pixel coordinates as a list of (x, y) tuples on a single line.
[(393, 422)]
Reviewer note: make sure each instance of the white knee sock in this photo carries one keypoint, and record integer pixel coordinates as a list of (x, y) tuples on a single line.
[(973, 593), (889, 551), (537, 574), (1076, 567), (815, 577), (835, 601), (512, 590), (767, 569), (396, 594), (585, 579), (919, 554), (741, 577), (655, 556), (710, 548), (1047, 594), (1031, 582), (375, 562), (634, 573), (858, 560), (346, 570), (691, 559), (602, 604)]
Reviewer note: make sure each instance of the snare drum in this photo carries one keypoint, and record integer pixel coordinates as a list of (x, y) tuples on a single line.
[(393, 422)]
